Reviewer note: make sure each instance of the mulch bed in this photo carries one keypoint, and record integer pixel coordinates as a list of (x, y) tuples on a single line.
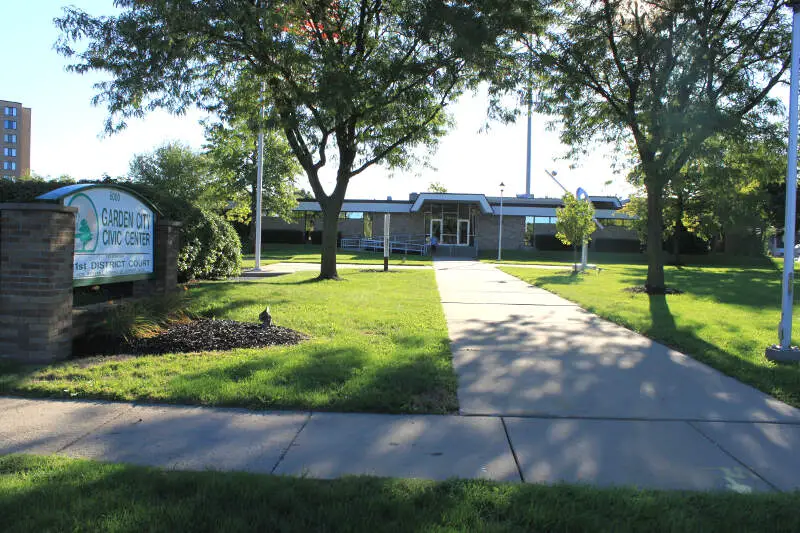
[(641, 289), (205, 335)]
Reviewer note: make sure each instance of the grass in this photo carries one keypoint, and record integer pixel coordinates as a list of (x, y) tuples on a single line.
[(726, 317), (310, 253), (379, 343), (558, 258), (60, 494)]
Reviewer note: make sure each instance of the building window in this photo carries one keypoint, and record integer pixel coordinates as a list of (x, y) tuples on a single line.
[(10, 124), (9, 165), (10, 138), (11, 111), (10, 152)]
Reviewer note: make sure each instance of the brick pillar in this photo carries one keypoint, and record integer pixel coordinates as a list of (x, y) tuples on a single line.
[(165, 261), (36, 252), (167, 246)]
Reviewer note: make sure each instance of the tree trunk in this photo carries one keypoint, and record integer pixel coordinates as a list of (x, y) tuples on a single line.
[(655, 256), (330, 230), (574, 257)]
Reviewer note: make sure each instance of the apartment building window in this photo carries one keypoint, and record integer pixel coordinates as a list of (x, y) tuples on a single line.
[(10, 138), (10, 124), (11, 111), (9, 165), (10, 152)]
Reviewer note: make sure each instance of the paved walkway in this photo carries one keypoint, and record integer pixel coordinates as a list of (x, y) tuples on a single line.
[(279, 269), (548, 393), (593, 401)]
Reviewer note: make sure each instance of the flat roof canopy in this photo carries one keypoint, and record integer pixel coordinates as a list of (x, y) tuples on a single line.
[(447, 197)]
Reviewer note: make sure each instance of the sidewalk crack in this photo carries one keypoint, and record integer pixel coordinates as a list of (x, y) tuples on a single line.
[(513, 451), (289, 447), (95, 429), (729, 454)]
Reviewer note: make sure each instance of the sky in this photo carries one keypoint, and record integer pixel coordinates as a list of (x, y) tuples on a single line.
[(67, 131)]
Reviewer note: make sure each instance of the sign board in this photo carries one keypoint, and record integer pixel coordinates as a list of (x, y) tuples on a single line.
[(114, 234)]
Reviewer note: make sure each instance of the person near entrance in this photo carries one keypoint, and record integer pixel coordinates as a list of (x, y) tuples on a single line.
[(434, 244)]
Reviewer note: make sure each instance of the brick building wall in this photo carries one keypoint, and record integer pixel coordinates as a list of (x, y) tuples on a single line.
[(401, 224), (486, 233)]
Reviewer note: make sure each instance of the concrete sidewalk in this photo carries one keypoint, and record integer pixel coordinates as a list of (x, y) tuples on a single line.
[(649, 454)]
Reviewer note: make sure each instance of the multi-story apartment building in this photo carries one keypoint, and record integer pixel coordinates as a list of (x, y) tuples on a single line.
[(15, 159)]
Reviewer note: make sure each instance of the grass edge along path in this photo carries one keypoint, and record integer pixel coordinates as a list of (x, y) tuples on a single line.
[(379, 343), (310, 253), (725, 318), (59, 494)]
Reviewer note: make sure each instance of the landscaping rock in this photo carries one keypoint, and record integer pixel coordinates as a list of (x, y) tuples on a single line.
[(206, 334)]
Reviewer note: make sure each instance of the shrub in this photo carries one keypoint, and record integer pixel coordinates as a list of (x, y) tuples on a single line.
[(134, 319), (210, 247)]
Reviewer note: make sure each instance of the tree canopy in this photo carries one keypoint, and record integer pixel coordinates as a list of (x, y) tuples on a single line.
[(357, 81), (663, 75)]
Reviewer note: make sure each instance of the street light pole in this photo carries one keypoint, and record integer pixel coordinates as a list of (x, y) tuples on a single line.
[(785, 351), (500, 231)]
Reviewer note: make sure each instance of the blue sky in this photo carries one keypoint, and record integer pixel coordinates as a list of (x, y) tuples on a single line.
[(67, 131)]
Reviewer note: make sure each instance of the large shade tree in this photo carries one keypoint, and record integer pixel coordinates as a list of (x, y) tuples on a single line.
[(664, 75), (356, 82)]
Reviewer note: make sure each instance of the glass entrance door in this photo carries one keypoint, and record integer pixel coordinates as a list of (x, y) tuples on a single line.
[(463, 232), (436, 229)]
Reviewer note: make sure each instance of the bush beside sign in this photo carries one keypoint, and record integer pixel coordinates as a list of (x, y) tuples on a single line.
[(114, 234)]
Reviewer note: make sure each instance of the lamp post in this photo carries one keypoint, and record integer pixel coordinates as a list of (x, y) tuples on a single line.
[(500, 230), (784, 351)]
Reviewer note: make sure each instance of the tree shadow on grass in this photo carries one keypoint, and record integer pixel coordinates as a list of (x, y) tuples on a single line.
[(133, 499), (781, 381)]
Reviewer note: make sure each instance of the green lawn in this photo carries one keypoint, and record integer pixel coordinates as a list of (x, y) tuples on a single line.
[(309, 253), (530, 257), (60, 494), (726, 317), (379, 343)]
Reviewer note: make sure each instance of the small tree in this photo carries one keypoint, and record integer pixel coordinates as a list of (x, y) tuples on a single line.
[(437, 186), (574, 223)]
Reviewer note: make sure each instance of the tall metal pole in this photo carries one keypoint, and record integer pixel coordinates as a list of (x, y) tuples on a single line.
[(785, 351), (259, 177), (386, 244), (528, 158), (500, 230)]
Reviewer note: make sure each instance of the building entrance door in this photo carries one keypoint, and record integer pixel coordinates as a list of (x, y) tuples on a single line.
[(463, 232), (436, 229)]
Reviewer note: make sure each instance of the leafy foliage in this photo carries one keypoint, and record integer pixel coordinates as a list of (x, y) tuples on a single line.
[(232, 152), (436, 186), (176, 170), (367, 78), (663, 75), (574, 221), (210, 248)]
